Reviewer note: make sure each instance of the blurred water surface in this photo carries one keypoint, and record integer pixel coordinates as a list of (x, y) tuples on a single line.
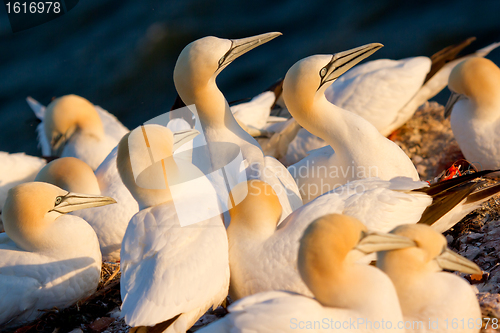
[(120, 54)]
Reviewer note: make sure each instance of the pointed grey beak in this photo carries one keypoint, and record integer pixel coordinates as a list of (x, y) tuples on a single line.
[(243, 45), (453, 262), (75, 201), (57, 144), (376, 241), (343, 61), (454, 97), (182, 137)]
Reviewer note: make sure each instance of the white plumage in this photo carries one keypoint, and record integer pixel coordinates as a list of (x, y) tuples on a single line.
[(109, 222), (360, 150), (194, 76), (426, 293), (46, 259), (16, 169), (475, 111), (345, 291), (169, 271), (77, 128)]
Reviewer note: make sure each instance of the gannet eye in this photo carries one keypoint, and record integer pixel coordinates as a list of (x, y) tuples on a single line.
[(58, 200), (322, 72)]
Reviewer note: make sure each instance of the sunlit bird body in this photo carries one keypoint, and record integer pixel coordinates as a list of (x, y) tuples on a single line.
[(73, 127), (47, 259), (356, 149), (171, 274), (194, 76), (440, 301), (474, 110), (109, 222), (345, 291), (261, 254)]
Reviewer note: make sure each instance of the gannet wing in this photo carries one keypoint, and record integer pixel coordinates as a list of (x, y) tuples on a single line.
[(379, 89), (112, 126)]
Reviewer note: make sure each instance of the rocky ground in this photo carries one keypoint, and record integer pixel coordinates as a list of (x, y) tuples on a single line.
[(428, 140)]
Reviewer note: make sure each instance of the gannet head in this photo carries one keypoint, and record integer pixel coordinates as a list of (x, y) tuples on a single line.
[(258, 211), (69, 114), (71, 174), (477, 79), (332, 243), (31, 209), (144, 161), (202, 60), (308, 78), (430, 254)]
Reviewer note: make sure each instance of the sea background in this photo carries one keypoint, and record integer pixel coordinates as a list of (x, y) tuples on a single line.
[(120, 54)]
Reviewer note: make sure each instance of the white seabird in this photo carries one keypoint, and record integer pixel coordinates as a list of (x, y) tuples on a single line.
[(474, 110), (356, 149), (344, 291), (387, 92), (72, 126), (171, 274), (440, 301), (261, 254), (47, 259), (109, 222), (194, 76)]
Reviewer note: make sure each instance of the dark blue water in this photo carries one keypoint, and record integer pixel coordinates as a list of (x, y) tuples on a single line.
[(120, 54)]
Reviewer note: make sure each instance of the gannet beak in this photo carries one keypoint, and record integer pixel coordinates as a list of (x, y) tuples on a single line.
[(376, 241), (182, 137), (243, 45), (75, 201), (57, 144), (454, 97), (343, 61), (451, 261)]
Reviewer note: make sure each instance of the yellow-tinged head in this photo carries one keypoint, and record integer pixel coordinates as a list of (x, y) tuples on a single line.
[(32, 208), (144, 162), (69, 114), (328, 251), (430, 254), (477, 78), (258, 210), (71, 174), (308, 78), (202, 60)]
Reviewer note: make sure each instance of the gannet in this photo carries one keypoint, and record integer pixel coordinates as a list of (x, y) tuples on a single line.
[(387, 92), (171, 274), (194, 76), (72, 126), (344, 291), (109, 222), (47, 259), (441, 301), (261, 255), (16, 169), (360, 150), (474, 110)]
